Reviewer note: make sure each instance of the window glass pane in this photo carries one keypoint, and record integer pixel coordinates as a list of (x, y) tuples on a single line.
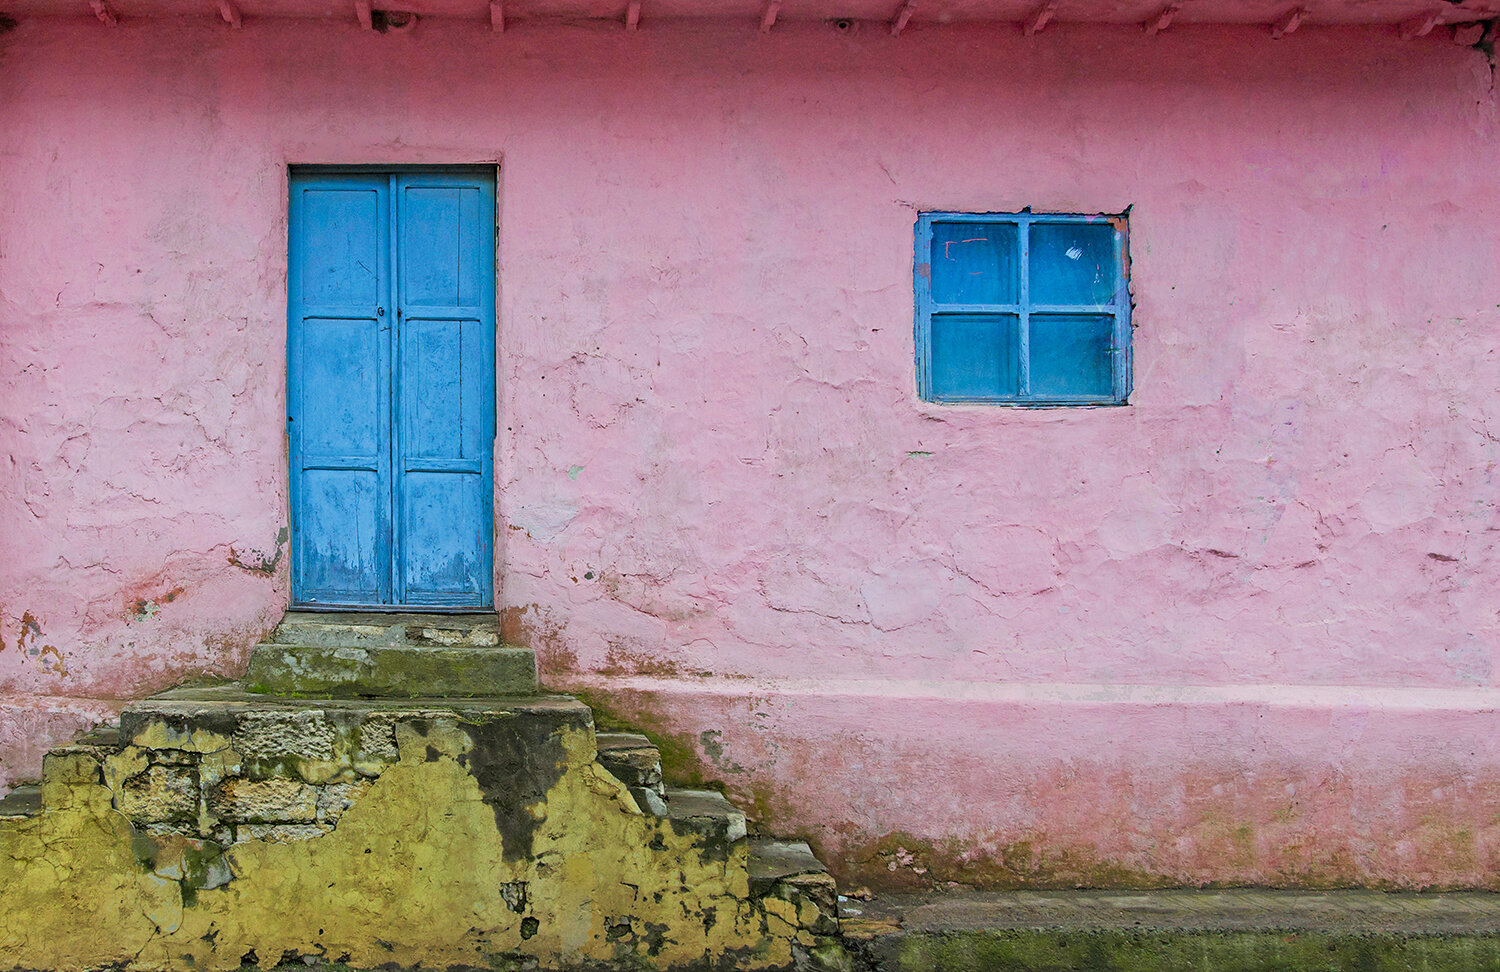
[(1070, 355), (975, 355), (1073, 263), (975, 263)]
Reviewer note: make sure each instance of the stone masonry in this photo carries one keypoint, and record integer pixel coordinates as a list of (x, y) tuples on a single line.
[(217, 827)]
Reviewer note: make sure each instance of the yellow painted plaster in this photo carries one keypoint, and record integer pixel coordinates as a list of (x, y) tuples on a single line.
[(412, 873)]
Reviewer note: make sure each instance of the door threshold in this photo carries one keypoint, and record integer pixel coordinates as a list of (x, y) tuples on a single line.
[(389, 609)]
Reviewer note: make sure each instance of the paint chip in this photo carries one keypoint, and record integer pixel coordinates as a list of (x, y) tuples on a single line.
[(573, 472)]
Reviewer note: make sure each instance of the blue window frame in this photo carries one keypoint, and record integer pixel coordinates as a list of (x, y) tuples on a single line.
[(1022, 309)]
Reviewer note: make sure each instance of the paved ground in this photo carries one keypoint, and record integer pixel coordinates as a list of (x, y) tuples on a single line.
[(1161, 931), (1348, 912)]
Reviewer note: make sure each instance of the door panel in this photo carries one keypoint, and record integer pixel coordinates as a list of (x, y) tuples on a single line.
[(341, 533), (338, 392), (391, 388), (445, 247)]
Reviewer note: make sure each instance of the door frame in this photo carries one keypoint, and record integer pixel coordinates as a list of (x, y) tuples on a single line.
[(490, 554)]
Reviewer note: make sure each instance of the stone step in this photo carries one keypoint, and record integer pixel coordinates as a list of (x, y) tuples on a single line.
[(224, 764), (20, 803), (787, 871), (362, 669), (773, 861), (204, 778), (704, 812), (106, 736), (632, 759), (367, 629)]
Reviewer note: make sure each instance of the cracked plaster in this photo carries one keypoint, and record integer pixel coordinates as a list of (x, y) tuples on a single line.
[(710, 458)]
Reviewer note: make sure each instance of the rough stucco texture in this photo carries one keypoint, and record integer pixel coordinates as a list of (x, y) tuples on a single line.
[(714, 478)]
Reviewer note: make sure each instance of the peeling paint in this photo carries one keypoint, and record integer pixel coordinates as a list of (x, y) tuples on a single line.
[(258, 562), (145, 609)]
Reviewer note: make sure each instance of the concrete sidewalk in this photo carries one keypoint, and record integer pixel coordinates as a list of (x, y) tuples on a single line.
[(1170, 930)]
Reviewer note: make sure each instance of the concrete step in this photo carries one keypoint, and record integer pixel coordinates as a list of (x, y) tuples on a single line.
[(368, 629), (21, 802), (363, 669), (633, 760)]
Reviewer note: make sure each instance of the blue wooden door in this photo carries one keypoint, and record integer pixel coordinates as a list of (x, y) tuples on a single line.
[(391, 409)]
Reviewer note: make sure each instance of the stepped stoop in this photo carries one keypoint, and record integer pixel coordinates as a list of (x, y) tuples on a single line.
[(389, 656), (216, 827)]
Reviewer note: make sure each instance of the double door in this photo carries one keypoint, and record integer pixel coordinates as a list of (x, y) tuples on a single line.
[(391, 387)]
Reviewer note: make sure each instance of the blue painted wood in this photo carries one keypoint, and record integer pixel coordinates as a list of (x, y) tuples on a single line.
[(339, 354), (445, 423), (391, 388), (1022, 309)]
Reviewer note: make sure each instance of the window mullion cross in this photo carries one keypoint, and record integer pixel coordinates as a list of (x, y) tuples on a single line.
[(1023, 298), (970, 309)]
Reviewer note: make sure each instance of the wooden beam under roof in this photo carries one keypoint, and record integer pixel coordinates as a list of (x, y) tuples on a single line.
[(1043, 16), (1162, 20), (1420, 26), (1288, 23), (768, 16), (903, 17)]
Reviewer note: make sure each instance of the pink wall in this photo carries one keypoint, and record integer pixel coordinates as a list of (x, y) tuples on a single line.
[(866, 613)]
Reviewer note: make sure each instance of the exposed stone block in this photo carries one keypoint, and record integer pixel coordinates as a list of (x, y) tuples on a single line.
[(278, 800), (650, 801), (705, 812), (280, 735), (160, 794), (335, 798), (281, 833), (182, 828), (377, 744)]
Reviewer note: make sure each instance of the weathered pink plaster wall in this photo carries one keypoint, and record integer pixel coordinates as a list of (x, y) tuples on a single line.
[(1242, 630)]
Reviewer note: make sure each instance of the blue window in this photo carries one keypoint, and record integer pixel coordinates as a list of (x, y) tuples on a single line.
[(1024, 309)]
